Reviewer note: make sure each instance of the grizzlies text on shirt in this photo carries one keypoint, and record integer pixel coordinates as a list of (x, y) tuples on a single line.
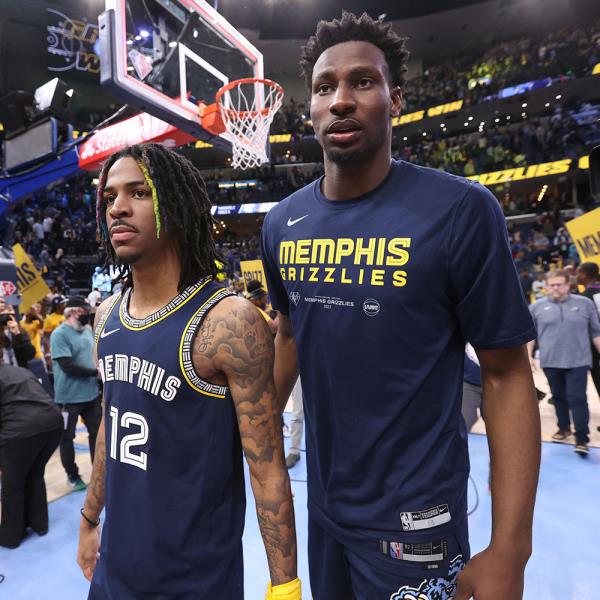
[(382, 292)]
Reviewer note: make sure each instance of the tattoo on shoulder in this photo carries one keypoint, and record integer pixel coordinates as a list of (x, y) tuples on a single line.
[(238, 342)]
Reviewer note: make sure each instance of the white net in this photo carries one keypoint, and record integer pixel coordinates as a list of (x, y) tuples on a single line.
[(247, 108)]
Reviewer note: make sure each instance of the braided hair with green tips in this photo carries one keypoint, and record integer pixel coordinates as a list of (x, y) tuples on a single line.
[(181, 209)]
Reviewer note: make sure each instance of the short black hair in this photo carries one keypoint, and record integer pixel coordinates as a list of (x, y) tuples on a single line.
[(590, 269), (351, 28), (184, 210)]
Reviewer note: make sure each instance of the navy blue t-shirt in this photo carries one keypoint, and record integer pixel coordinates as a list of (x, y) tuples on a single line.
[(383, 291)]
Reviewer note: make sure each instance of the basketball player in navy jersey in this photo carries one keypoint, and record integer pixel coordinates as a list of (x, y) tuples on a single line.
[(188, 371), (381, 271)]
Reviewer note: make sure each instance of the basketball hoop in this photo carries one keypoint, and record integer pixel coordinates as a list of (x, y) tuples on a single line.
[(245, 109)]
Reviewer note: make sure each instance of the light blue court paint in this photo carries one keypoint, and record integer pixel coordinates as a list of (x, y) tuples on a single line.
[(567, 526)]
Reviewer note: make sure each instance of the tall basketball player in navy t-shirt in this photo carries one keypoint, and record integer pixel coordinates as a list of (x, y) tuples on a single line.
[(187, 371), (382, 270)]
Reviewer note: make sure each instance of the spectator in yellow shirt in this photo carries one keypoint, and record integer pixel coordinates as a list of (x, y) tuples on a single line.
[(33, 324), (53, 320), (56, 316)]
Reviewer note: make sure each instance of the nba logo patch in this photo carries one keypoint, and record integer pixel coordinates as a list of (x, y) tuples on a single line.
[(396, 549)]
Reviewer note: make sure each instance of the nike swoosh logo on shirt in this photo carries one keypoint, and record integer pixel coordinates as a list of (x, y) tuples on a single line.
[(107, 333), (294, 221)]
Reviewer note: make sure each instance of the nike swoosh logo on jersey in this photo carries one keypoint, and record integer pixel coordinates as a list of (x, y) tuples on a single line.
[(294, 221), (107, 333)]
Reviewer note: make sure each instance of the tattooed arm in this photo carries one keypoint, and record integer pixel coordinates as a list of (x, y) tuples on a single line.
[(234, 345), (89, 536)]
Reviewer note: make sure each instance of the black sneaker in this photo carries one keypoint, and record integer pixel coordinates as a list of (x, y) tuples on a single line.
[(582, 449), (77, 484), (291, 460)]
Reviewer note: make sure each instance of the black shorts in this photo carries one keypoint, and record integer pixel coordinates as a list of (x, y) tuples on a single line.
[(352, 565)]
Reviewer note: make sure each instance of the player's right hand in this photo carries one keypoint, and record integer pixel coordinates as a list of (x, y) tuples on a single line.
[(87, 552)]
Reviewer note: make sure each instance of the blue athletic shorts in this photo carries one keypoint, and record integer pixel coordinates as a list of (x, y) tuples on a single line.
[(353, 565)]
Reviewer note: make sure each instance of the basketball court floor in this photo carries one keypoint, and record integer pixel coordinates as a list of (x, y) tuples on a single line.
[(565, 527)]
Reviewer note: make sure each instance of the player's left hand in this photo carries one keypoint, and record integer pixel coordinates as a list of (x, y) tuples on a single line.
[(492, 575)]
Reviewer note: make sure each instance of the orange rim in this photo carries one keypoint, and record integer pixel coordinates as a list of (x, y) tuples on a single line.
[(248, 80)]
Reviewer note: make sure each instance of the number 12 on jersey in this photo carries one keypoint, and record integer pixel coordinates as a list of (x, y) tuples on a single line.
[(129, 441)]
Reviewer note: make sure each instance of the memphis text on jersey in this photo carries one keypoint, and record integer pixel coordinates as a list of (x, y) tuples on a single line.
[(360, 261), (145, 374)]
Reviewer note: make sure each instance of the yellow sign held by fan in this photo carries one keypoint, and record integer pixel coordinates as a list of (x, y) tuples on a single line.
[(585, 233), (32, 286), (253, 269)]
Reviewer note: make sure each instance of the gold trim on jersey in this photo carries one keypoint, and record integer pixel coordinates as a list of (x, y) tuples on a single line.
[(185, 349), (180, 300), (102, 322)]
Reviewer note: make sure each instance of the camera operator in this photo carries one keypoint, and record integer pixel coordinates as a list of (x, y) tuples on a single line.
[(15, 345)]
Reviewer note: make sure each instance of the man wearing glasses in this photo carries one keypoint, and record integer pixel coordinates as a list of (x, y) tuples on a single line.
[(565, 323)]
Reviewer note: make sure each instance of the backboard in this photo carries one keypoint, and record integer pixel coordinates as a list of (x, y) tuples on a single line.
[(165, 56)]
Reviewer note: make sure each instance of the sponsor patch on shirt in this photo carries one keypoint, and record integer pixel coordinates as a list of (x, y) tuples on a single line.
[(421, 552), (425, 519)]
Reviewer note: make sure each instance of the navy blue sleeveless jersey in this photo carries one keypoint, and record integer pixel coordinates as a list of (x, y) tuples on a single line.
[(382, 292), (175, 495)]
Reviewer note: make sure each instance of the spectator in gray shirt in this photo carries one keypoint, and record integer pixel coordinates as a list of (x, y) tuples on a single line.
[(565, 323)]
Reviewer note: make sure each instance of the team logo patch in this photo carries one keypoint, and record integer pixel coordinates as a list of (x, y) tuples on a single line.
[(433, 589), (295, 298), (371, 307)]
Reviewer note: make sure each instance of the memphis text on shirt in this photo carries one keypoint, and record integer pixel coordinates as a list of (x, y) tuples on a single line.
[(360, 261), (145, 374)]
